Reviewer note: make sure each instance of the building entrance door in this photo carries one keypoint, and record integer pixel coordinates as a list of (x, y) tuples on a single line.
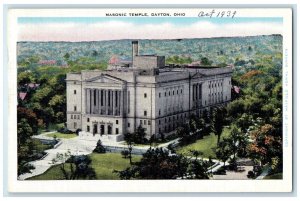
[(94, 129), (102, 130)]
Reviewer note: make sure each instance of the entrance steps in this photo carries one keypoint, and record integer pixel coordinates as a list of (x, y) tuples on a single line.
[(104, 138)]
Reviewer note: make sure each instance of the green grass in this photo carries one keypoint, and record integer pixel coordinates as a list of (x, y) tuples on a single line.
[(274, 176), (103, 164), (40, 147), (207, 145), (61, 135)]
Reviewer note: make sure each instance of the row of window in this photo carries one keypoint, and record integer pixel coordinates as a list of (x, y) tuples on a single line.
[(144, 122), (75, 116), (170, 93), (169, 119), (214, 84)]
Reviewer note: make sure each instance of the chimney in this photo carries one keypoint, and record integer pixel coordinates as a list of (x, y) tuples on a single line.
[(135, 48)]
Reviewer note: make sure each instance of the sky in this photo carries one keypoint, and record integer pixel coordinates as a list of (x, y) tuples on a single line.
[(76, 29)]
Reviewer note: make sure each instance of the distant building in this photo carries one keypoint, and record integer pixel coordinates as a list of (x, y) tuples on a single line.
[(116, 101)]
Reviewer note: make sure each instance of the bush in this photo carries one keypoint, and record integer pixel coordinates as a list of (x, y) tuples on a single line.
[(64, 130), (99, 148), (250, 174), (125, 153), (220, 171), (77, 131)]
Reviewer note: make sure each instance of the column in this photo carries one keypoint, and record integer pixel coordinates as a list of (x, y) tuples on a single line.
[(106, 102), (101, 100), (196, 92), (113, 102), (121, 103), (87, 101)]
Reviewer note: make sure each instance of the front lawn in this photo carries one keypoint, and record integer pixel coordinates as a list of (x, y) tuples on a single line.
[(103, 164), (274, 176), (207, 145), (62, 135)]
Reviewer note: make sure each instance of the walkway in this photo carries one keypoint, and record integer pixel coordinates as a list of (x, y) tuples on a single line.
[(74, 146), (83, 145)]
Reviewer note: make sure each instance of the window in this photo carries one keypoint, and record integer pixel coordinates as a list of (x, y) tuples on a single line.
[(74, 116), (177, 91), (88, 119), (159, 122), (159, 112), (173, 93), (149, 122), (71, 116), (145, 95), (165, 120), (169, 93), (145, 122), (128, 125), (165, 93), (145, 113), (117, 130), (159, 95), (74, 82), (75, 108), (74, 91), (117, 121), (88, 128), (75, 125), (180, 90), (141, 122), (78, 116)]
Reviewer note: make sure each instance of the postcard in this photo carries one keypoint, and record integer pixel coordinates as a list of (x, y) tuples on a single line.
[(150, 100)]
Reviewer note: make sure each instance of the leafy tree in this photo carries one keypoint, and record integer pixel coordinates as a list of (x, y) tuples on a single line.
[(205, 61), (24, 132), (25, 78), (218, 121), (266, 146), (99, 148), (159, 164), (129, 139), (82, 168), (223, 151), (139, 135)]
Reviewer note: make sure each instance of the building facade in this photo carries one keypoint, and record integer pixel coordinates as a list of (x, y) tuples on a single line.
[(147, 93)]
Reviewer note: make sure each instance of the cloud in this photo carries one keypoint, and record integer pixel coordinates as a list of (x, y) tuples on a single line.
[(114, 30)]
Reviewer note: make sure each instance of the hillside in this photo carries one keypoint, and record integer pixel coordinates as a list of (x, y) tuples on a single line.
[(217, 50)]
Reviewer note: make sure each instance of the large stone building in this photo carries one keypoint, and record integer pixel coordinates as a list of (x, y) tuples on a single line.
[(147, 93)]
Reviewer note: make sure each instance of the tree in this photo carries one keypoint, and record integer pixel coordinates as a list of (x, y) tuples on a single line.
[(99, 148), (139, 135), (266, 146), (82, 168), (223, 151), (129, 141), (160, 164), (205, 61), (218, 121)]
